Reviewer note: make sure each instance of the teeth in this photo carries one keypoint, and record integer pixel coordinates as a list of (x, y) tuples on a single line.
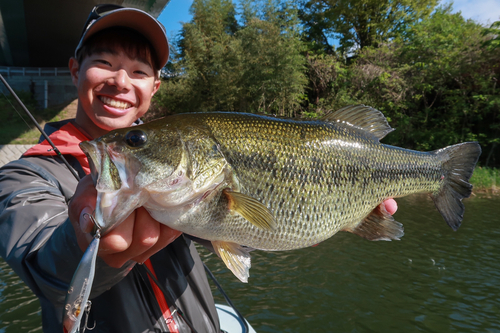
[(114, 103)]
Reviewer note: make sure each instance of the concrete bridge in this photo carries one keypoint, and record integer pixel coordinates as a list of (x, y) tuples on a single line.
[(37, 38)]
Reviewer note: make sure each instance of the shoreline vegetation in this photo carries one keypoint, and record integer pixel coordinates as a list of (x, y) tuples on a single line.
[(486, 180), (15, 131)]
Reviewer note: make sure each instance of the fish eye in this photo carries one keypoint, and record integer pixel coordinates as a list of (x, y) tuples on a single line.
[(136, 138)]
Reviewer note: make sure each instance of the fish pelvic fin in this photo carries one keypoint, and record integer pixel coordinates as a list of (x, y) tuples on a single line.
[(458, 165), (361, 116), (236, 257), (378, 225), (251, 209)]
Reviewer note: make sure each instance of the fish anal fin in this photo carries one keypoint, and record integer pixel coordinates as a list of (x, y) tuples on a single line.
[(364, 117), (236, 258), (378, 225), (251, 209)]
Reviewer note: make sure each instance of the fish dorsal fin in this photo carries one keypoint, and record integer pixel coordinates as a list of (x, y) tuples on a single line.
[(363, 117), (378, 225), (250, 209), (236, 257)]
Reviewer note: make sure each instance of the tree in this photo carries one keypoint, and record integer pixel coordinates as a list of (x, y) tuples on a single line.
[(273, 63), (437, 84), (493, 36), (362, 23), (255, 66)]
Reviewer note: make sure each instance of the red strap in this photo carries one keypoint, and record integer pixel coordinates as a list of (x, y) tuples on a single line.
[(162, 302)]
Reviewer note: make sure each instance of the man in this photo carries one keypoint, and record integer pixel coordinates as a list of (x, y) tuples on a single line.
[(44, 210)]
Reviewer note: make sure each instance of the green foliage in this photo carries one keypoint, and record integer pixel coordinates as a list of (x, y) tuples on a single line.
[(362, 23), (486, 178), (493, 36), (255, 67), (452, 80), (437, 84)]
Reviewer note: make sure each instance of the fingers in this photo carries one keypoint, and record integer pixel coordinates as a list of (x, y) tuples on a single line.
[(167, 236), (391, 206), (80, 208), (137, 238)]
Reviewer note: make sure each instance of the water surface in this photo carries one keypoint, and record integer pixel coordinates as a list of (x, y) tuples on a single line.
[(433, 280)]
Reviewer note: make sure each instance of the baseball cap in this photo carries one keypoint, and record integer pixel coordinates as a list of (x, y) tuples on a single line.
[(107, 15)]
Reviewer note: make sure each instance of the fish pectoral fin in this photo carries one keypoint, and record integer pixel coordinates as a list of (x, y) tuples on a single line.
[(236, 257), (251, 209), (378, 225)]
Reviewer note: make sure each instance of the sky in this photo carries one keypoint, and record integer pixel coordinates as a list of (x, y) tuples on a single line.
[(482, 11)]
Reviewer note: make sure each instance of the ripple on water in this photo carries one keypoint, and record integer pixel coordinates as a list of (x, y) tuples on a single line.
[(19, 307)]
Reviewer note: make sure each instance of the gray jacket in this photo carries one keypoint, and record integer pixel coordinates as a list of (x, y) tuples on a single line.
[(38, 242)]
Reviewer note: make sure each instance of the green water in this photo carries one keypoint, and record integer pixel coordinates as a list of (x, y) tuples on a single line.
[(433, 280)]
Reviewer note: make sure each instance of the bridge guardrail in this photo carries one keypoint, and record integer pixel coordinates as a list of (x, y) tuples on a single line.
[(34, 71)]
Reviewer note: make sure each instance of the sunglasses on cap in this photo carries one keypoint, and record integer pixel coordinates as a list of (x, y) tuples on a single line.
[(97, 12)]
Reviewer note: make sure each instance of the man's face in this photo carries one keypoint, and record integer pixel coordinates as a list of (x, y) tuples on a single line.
[(113, 90)]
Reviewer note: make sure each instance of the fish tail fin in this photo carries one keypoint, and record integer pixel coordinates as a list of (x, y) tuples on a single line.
[(458, 165)]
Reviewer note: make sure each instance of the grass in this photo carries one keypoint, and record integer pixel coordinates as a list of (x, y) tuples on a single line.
[(16, 127), (485, 179)]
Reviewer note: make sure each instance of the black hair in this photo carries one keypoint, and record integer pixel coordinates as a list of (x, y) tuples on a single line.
[(135, 45)]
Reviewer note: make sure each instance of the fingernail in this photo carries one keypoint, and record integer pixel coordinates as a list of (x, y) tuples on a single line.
[(85, 221)]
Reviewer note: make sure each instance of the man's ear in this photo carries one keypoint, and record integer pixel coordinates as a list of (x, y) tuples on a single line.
[(156, 86), (74, 67)]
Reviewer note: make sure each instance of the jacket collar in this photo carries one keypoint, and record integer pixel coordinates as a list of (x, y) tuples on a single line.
[(66, 137)]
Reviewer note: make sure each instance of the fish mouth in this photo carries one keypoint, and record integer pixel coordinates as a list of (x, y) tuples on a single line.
[(112, 174), (94, 157), (105, 173)]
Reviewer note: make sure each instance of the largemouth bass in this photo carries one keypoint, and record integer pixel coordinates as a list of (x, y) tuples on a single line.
[(247, 181)]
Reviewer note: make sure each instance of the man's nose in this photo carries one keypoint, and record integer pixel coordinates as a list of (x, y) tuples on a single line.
[(121, 80)]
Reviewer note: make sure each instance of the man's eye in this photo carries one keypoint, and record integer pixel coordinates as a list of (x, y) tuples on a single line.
[(139, 72), (104, 62)]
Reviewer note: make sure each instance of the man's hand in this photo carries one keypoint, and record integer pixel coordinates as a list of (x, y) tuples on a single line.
[(137, 238)]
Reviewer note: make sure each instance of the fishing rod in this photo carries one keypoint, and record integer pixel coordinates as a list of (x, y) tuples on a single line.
[(54, 148), (164, 291)]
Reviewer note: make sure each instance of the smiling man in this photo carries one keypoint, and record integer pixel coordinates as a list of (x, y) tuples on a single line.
[(44, 224)]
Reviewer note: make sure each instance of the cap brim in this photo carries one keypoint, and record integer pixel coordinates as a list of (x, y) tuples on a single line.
[(134, 19)]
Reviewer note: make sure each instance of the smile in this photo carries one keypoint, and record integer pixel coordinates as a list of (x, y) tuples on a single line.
[(114, 103)]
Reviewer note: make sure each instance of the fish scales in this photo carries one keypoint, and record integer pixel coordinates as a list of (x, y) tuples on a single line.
[(248, 181), (315, 177)]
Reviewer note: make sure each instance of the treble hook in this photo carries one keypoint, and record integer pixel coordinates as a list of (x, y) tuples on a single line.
[(87, 313)]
